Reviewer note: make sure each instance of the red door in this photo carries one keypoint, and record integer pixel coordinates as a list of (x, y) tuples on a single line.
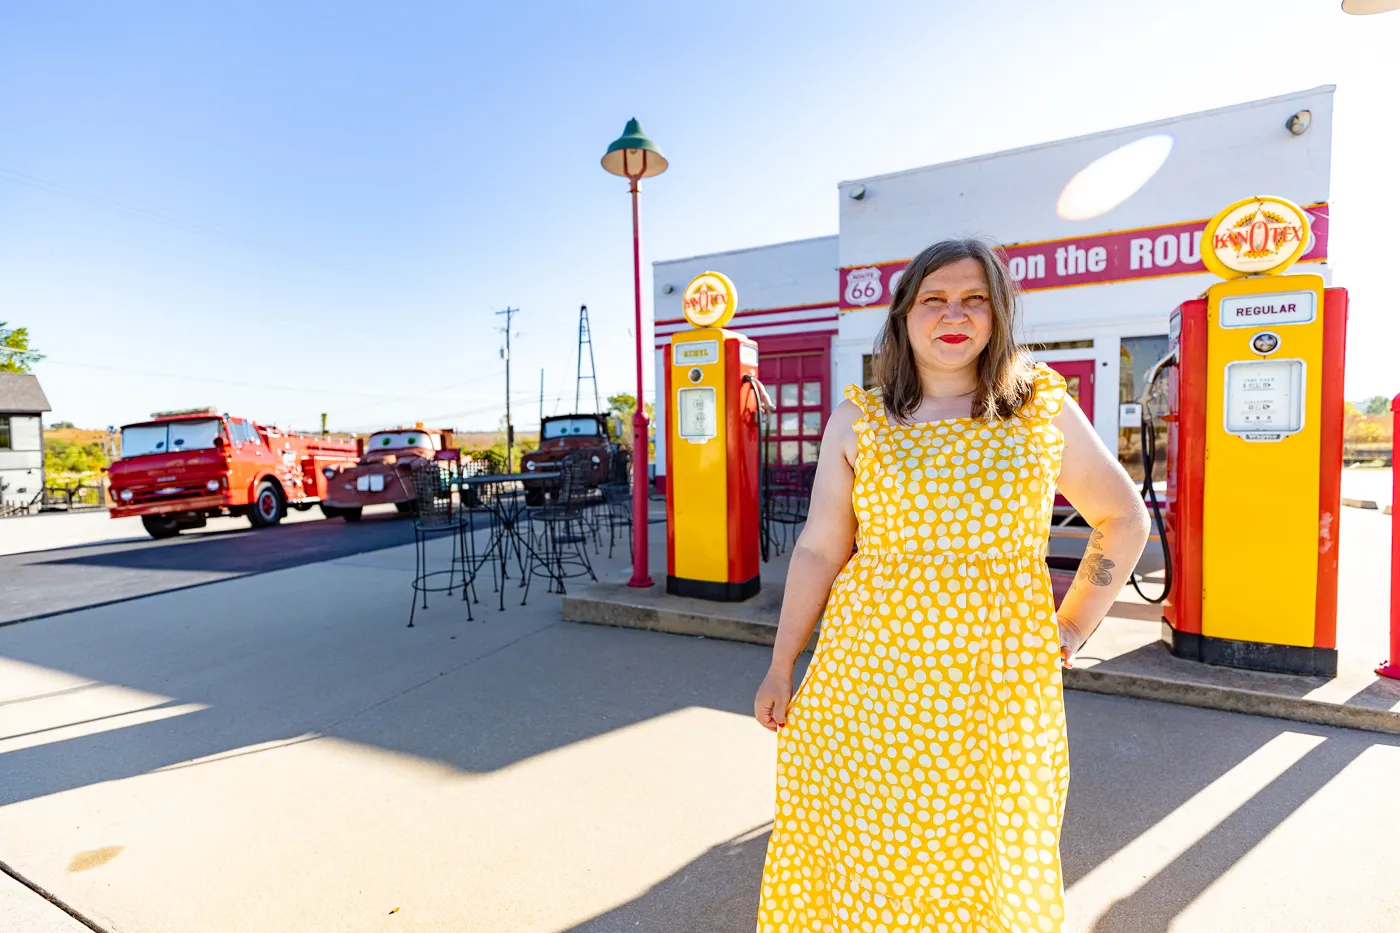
[(799, 385), (1079, 381)]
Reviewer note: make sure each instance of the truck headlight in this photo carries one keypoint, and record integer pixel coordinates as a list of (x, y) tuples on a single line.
[(126, 495), (330, 472), (596, 460), (212, 485), (530, 465)]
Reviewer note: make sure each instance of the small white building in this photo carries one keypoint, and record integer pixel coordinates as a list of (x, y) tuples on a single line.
[(22, 405), (1099, 279)]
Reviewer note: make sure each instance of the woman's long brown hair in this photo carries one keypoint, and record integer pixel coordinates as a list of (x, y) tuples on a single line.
[(1004, 377)]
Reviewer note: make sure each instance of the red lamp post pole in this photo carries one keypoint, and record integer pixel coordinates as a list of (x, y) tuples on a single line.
[(1391, 667), (640, 574)]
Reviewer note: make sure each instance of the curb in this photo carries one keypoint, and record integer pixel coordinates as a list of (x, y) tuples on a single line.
[(1232, 700), (635, 614), (673, 622)]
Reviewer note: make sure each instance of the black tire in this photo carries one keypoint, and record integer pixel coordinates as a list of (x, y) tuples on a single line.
[(407, 508), (268, 506), (160, 526), (350, 515), (534, 495), (330, 511)]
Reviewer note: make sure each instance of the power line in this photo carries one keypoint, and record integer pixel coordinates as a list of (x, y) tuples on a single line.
[(424, 394), (230, 382), (157, 214)]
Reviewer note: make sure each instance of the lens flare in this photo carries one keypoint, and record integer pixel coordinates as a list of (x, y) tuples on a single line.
[(1111, 179)]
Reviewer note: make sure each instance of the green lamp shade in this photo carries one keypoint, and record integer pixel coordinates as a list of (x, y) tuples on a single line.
[(632, 155)]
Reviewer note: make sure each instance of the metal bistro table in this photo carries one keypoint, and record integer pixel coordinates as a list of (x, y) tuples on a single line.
[(500, 495)]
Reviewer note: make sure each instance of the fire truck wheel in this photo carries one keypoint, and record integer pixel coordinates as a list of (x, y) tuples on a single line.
[(160, 526), (407, 508), (534, 495), (268, 507), (350, 515)]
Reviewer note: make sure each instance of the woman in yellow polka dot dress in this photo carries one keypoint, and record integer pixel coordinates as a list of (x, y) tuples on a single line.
[(923, 765)]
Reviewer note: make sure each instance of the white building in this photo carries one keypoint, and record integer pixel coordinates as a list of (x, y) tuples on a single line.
[(1098, 290), (22, 404)]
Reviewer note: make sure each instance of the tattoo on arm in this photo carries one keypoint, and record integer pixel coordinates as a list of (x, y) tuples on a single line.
[(1096, 568), (1096, 539)]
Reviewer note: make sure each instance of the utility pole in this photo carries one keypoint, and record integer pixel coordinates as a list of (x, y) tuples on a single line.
[(585, 336), (541, 437), (505, 354)]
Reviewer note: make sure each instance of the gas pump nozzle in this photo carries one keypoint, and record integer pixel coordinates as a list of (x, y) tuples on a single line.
[(765, 402), (1149, 382), (1148, 440)]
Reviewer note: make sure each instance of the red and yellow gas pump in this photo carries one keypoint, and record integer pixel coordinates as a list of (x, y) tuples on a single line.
[(712, 397), (1254, 451)]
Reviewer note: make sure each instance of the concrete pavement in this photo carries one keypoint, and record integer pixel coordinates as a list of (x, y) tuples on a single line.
[(42, 580), (49, 530), (278, 752), (1367, 485)]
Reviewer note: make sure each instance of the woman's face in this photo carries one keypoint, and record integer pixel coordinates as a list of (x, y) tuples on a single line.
[(951, 320)]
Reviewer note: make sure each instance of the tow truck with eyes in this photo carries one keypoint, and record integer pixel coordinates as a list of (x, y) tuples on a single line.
[(591, 438), (384, 474)]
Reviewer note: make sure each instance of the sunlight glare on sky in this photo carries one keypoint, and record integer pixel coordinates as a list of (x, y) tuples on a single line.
[(1111, 179)]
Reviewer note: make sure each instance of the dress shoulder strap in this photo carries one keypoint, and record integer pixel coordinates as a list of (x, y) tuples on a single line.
[(871, 404), (1050, 394)]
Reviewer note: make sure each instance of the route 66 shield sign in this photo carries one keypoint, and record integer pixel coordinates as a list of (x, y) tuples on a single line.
[(863, 286)]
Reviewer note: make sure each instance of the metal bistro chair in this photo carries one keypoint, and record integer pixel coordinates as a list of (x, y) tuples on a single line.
[(787, 494), (616, 513), (440, 515), (559, 533), (478, 511)]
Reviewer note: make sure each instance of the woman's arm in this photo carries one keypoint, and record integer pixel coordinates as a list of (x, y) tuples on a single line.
[(821, 551), (1094, 482)]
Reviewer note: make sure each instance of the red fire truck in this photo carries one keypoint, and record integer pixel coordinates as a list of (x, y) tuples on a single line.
[(183, 467)]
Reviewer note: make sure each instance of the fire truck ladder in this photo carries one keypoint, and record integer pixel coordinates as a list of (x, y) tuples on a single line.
[(585, 337)]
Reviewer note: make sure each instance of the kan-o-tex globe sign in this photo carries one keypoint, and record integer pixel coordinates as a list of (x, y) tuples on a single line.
[(710, 300)]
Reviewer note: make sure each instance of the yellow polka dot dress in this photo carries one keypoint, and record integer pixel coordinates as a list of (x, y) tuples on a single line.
[(923, 769)]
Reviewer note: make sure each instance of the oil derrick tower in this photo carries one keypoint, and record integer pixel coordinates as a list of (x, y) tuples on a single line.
[(585, 339)]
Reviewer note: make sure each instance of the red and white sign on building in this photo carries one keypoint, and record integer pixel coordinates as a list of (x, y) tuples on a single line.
[(1119, 256)]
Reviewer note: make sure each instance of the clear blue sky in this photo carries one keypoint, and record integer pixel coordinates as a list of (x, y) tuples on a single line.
[(282, 209)]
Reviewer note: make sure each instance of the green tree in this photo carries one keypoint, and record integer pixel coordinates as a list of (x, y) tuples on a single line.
[(1375, 405), (15, 353), (67, 457), (624, 404)]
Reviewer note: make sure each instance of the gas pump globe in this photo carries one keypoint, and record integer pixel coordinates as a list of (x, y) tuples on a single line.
[(713, 396)]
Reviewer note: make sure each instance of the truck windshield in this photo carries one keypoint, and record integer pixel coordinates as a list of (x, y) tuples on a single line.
[(141, 440), (570, 427), (400, 440)]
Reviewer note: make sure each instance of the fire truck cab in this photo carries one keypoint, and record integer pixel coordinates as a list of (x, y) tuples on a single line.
[(183, 467)]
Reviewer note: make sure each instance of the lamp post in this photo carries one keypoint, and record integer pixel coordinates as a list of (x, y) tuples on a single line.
[(635, 157)]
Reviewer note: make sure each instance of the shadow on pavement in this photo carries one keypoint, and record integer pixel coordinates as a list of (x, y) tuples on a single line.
[(715, 893)]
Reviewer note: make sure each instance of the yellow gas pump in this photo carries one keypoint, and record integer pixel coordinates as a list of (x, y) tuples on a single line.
[(712, 397), (1255, 451)]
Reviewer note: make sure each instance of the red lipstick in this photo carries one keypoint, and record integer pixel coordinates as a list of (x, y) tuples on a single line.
[(953, 338)]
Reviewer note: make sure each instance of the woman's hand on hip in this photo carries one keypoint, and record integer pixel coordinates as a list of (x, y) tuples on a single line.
[(771, 702), (1071, 640)]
